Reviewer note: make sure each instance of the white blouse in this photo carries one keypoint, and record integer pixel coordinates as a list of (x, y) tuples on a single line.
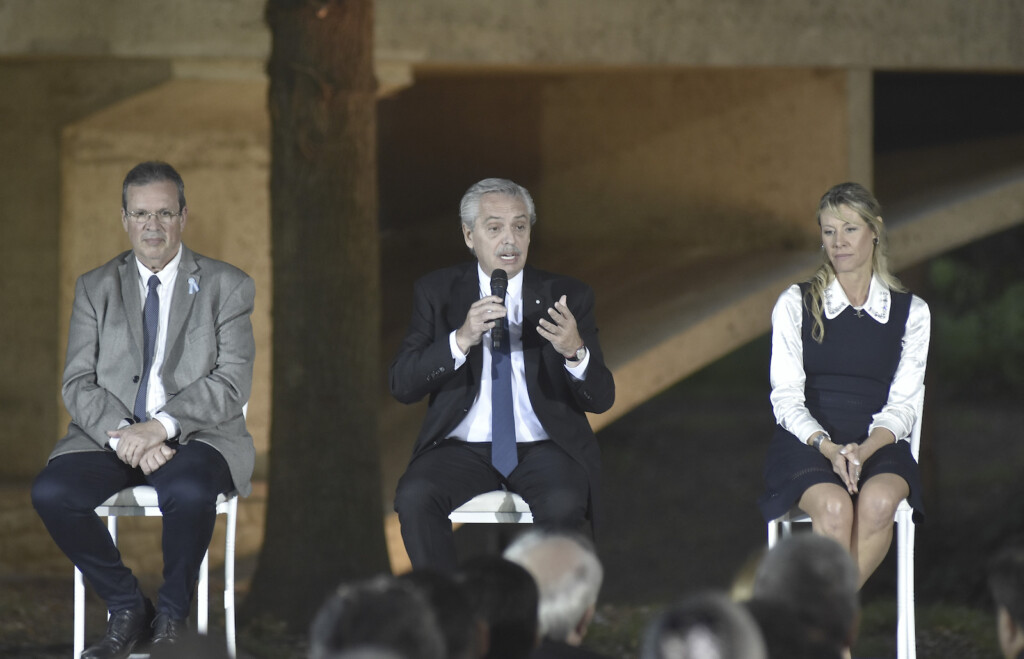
[(787, 366)]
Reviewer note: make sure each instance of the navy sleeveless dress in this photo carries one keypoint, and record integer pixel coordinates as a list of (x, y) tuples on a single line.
[(848, 378)]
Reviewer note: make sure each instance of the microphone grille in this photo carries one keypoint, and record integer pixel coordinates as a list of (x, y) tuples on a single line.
[(499, 282)]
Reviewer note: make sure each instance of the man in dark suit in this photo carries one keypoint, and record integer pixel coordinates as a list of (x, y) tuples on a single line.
[(477, 435), (158, 369)]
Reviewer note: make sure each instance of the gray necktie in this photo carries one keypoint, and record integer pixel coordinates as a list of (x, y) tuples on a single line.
[(504, 455), (150, 316)]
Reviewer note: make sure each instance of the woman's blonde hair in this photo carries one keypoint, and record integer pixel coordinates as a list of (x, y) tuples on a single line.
[(858, 199)]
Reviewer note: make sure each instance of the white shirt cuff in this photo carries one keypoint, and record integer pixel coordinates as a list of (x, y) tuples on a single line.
[(112, 442), (579, 371), (169, 423), (457, 355)]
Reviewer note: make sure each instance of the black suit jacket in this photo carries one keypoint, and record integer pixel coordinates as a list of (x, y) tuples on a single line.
[(425, 367)]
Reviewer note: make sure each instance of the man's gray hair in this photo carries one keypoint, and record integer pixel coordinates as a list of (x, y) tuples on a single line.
[(568, 575), (817, 578), (469, 207)]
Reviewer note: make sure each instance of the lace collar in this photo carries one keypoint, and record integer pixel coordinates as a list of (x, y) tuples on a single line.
[(877, 305)]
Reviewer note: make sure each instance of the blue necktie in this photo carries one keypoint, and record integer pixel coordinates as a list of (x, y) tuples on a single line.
[(150, 316), (503, 424)]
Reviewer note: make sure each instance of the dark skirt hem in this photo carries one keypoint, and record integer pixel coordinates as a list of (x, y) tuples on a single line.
[(791, 467)]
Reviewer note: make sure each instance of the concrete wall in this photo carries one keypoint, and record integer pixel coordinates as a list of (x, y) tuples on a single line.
[(135, 28), (936, 34), (949, 34), (691, 162), (37, 99)]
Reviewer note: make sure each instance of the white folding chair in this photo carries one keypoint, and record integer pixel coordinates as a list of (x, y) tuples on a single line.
[(498, 507), (141, 501), (906, 636)]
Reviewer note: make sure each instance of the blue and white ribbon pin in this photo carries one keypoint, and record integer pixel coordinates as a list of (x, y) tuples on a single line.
[(193, 285)]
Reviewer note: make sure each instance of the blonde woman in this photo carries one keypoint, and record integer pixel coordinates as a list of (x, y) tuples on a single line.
[(849, 348)]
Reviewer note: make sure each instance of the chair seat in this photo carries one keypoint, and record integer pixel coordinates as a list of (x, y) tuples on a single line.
[(143, 496), (499, 506)]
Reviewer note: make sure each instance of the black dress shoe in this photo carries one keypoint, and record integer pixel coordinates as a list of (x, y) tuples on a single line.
[(167, 630), (125, 630)]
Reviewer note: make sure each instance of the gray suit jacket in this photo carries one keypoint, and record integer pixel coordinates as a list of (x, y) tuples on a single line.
[(207, 370)]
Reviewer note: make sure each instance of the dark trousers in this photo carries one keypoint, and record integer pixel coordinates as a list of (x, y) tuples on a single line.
[(70, 487), (445, 477)]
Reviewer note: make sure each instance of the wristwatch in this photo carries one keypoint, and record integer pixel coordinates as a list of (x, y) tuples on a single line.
[(818, 439), (580, 353)]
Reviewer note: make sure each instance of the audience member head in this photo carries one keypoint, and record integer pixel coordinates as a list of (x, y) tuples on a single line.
[(816, 577), (382, 612), (505, 595), (703, 626), (364, 652), (568, 575), (455, 616), (786, 637), (1006, 583)]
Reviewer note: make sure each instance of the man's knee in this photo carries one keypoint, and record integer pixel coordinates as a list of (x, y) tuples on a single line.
[(47, 493), (418, 495), (52, 494), (563, 507), (187, 496)]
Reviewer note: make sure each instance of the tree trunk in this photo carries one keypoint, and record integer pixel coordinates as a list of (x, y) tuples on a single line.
[(324, 509)]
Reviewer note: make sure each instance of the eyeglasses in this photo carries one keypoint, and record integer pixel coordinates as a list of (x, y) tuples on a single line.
[(163, 217)]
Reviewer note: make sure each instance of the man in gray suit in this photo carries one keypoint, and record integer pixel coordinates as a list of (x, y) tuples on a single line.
[(158, 369)]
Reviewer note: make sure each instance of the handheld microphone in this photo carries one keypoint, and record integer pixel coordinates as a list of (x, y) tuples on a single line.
[(499, 284)]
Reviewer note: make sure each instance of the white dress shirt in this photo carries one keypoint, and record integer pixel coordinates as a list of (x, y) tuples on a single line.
[(787, 365), (476, 426)]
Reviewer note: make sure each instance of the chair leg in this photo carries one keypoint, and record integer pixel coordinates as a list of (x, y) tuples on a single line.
[(112, 529), (79, 631), (203, 612), (906, 637), (911, 597), (229, 576), (203, 599), (79, 614)]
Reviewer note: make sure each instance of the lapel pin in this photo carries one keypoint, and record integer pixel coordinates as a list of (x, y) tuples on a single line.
[(193, 286)]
